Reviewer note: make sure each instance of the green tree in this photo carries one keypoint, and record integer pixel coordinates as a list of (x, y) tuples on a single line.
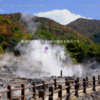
[(1, 19), (1, 49), (7, 21), (4, 44), (2, 38), (14, 40)]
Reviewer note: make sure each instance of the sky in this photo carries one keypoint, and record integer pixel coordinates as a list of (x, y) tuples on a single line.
[(62, 11)]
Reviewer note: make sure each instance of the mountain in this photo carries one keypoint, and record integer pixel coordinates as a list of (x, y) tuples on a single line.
[(49, 25), (13, 30), (88, 27)]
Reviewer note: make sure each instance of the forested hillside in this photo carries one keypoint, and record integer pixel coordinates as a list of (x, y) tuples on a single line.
[(12, 30), (88, 27)]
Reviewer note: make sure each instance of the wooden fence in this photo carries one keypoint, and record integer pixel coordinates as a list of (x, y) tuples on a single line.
[(75, 85)]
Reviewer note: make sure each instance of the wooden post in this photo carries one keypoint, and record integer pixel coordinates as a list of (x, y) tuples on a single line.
[(34, 90), (9, 94), (87, 82), (43, 85), (60, 92), (68, 91), (55, 84), (41, 94), (51, 95), (84, 86), (78, 82), (99, 79), (23, 92), (66, 83), (61, 73), (94, 84), (76, 88)]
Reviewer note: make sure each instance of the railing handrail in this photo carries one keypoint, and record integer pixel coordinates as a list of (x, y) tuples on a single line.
[(54, 89)]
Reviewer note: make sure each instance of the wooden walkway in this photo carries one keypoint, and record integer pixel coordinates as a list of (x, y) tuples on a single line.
[(58, 91)]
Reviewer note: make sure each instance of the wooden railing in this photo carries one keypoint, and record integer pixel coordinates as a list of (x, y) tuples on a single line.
[(72, 88)]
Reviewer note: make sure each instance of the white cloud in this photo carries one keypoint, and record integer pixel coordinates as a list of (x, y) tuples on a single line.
[(61, 16)]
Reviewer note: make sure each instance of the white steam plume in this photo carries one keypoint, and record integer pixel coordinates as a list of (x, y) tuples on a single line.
[(29, 21), (38, 62), (34, 57)]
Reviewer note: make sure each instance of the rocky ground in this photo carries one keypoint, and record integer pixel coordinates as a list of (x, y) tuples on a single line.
[(7, 68), (93, 96)]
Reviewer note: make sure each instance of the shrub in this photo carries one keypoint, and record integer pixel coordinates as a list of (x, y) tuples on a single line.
[(7, 21), (1, 49)]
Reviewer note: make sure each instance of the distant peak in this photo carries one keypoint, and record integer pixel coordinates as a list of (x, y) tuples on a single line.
[(81, 19)]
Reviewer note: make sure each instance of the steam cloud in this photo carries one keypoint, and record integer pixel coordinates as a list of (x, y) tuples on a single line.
[(35, 62), (28, 20), (46, 64)]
